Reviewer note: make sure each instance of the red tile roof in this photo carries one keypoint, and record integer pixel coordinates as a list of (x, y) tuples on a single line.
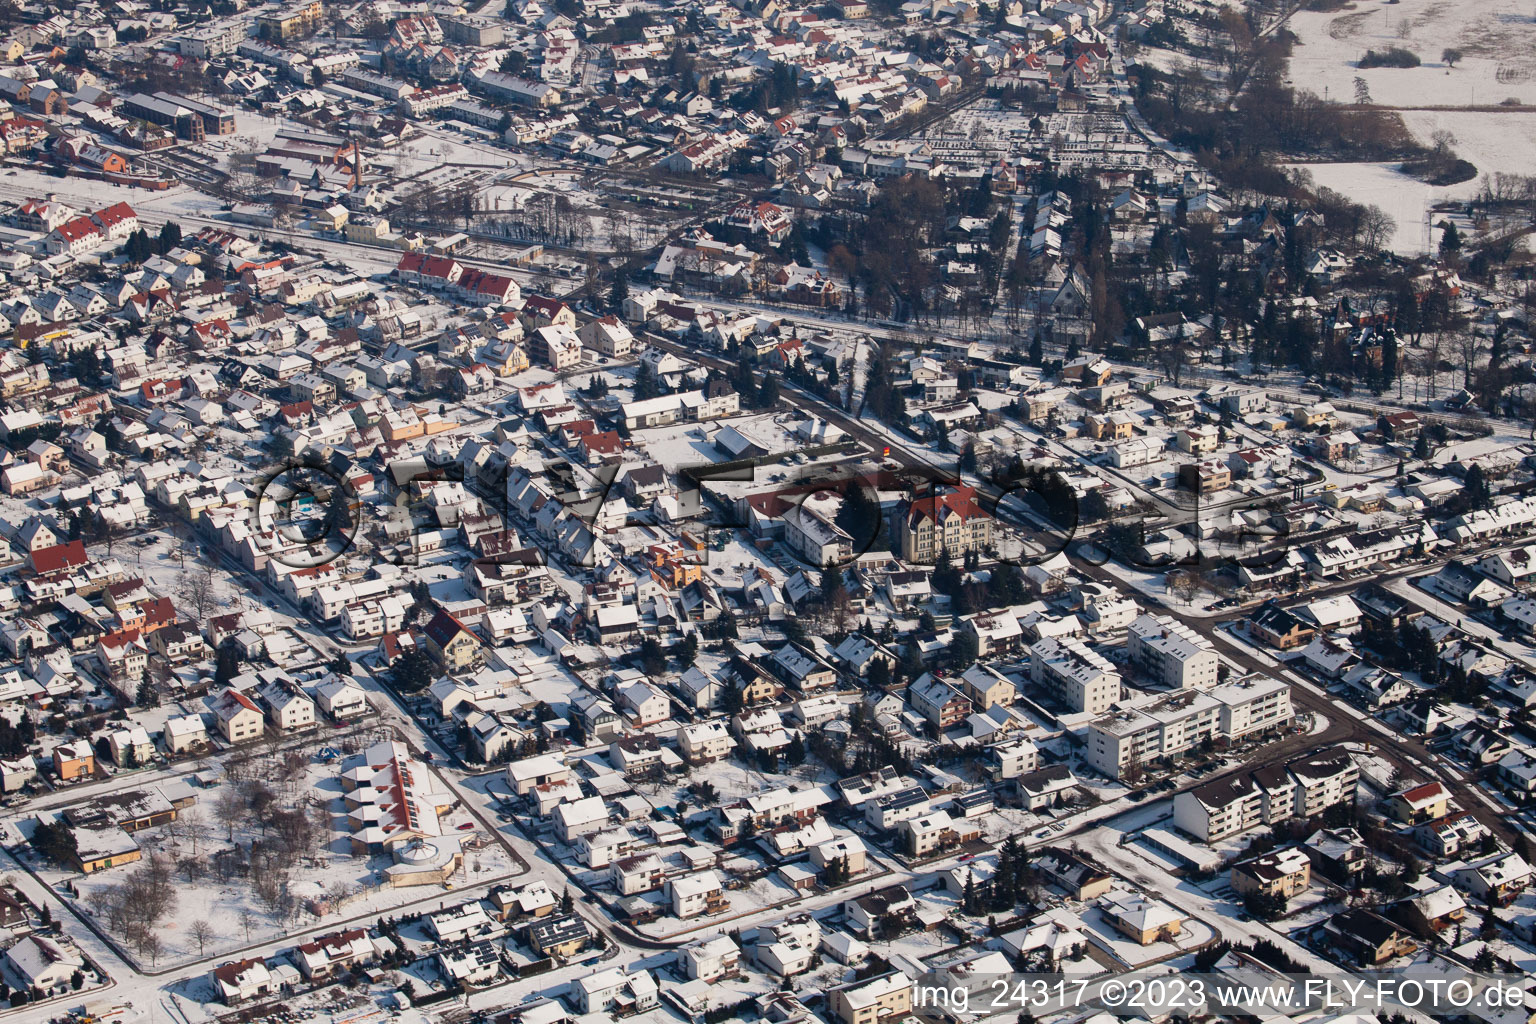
[(59, 557)]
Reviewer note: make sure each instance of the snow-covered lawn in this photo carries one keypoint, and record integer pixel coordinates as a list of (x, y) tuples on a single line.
[(1406, 200), (228, 900), (1497, 63)]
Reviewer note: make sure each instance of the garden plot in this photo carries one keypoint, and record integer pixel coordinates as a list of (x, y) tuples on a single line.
[(265, 856)]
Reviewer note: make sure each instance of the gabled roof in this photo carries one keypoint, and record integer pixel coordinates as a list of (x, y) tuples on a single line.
[(444, 628), (59, 557)]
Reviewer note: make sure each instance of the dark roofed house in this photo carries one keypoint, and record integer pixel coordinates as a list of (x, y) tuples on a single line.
[(450, 643), (1079, 877), (1368, 937), (1277, 627)]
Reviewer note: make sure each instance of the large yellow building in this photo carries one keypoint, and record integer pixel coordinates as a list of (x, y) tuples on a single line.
[(291, 22), (450, 644), (951, 521)]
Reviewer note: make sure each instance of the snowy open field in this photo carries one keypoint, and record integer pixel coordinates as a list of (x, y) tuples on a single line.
[(210, 887), (1408, 201), (1498, 62), (1494, 37)]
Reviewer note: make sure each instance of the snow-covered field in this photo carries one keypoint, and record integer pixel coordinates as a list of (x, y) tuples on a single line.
[(1497, 63), (1406, 200), (229, 901), (1494, 37)]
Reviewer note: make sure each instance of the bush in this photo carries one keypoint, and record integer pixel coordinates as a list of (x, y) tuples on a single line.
[(1391, 57)]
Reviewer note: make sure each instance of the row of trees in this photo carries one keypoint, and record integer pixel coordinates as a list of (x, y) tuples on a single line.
[(139, 247)]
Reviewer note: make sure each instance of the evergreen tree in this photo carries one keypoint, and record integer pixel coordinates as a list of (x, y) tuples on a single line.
[(963, 650), (1476, 493), (831, 584), (170, 236), (687, 650), (768, 392), (226, 663), (945, 578), (879, 676), (1036, 350), (1450, 240), (620, 290), (858, 515), (414, 671), (645, 382), (653, 660)]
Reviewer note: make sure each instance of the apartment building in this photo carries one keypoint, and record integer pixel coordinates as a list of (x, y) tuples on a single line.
[(702, 742), (950, 522), (1074, 676), (1283, 873), (1185, 720), (1219, 809), (866, 1002), (1170, 653), (1305, 788), (1323, 780)]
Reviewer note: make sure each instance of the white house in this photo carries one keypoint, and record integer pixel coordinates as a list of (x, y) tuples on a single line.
[(696, 894), (615, 992)]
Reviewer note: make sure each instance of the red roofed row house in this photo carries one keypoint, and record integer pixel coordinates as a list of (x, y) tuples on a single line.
[(83, 234), (443, 273)]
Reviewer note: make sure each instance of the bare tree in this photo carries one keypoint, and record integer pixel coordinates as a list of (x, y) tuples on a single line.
[(192, 826), (230, 809), (201, 932), (1376, 228), (246, 920), (150, 947), (199, 590)]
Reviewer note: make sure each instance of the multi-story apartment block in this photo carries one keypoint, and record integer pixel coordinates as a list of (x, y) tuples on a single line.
[(1170, 653), (702, 742), (1219, 809), (1305, 788), (1323, 780), (290, 22), (1185, 720), (1074, 676)]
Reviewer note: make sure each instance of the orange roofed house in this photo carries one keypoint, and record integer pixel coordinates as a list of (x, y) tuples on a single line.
[(238, 717)]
